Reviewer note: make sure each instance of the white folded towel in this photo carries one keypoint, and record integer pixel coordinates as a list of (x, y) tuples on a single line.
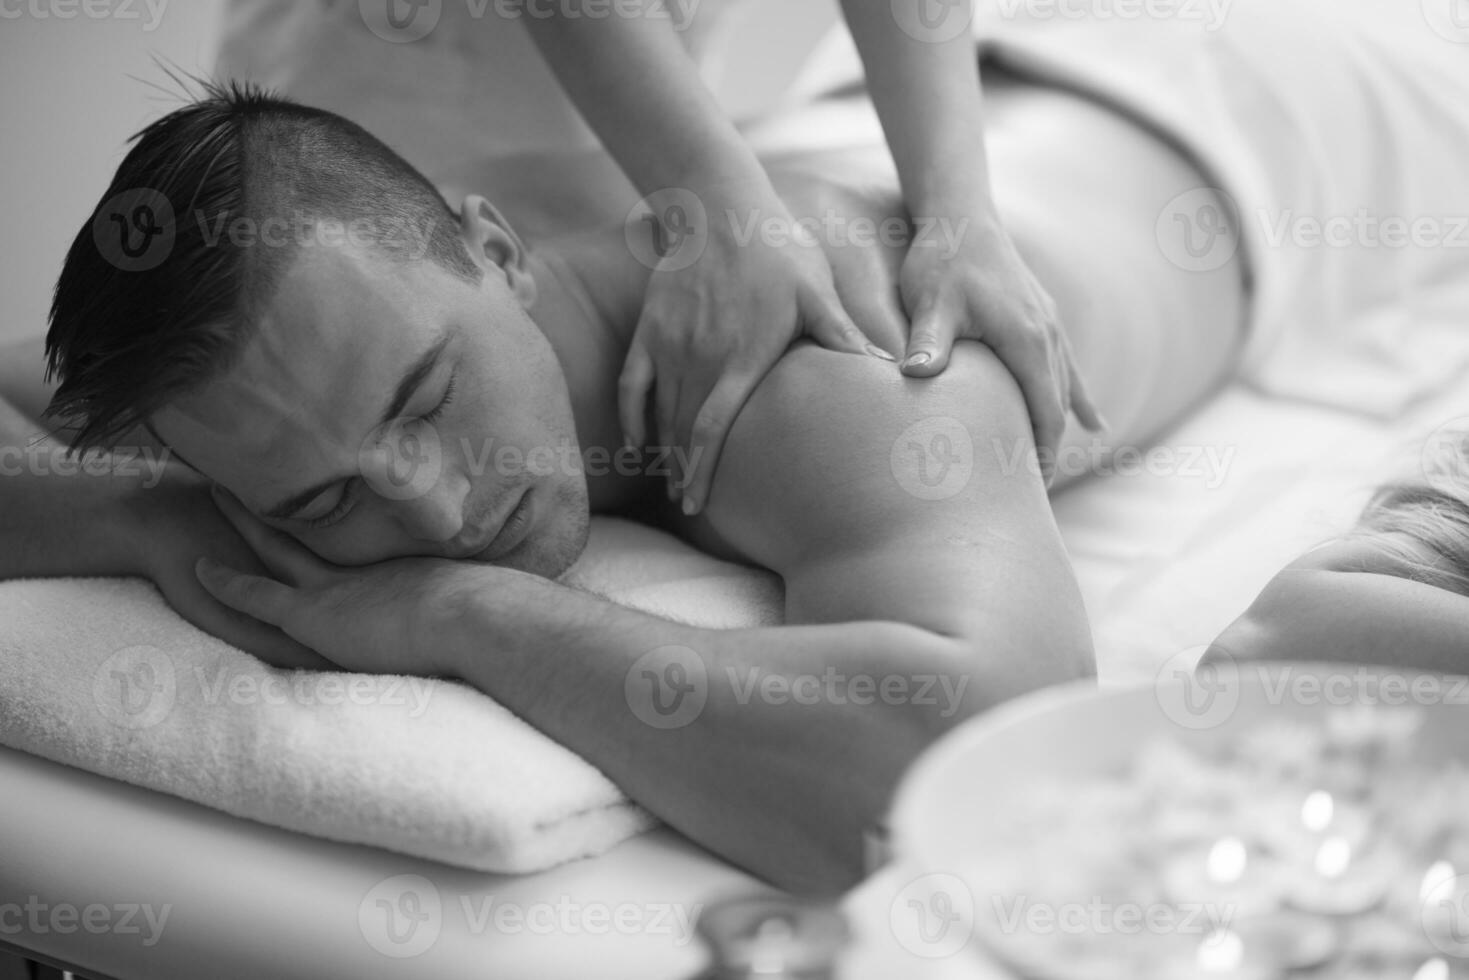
[(101, 674)]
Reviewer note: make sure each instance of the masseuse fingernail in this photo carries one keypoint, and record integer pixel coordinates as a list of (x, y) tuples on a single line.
[(877, 351), (917, 360)]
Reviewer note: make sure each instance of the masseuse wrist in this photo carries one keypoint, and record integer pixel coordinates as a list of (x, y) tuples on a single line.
[(735, 181), (955, 201), (950, 181)]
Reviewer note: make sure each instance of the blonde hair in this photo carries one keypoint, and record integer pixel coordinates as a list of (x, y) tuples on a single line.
[(1433, 515)]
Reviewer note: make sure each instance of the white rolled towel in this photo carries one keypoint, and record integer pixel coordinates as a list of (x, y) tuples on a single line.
[(99, 673)]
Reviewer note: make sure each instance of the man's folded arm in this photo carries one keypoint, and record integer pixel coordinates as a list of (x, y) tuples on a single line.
[(775, 748)]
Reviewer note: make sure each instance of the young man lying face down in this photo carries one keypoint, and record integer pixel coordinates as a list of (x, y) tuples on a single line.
[(907, 518)]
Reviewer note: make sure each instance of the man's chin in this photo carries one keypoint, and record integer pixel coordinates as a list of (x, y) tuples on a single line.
[(552, 552)]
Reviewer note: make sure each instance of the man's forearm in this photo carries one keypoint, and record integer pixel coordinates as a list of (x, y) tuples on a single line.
[(774, 747)]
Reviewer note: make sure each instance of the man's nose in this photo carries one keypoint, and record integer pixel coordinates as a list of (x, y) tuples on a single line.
[(437, 515)]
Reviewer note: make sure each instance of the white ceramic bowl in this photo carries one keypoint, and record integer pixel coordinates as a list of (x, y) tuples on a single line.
[(951, 802)]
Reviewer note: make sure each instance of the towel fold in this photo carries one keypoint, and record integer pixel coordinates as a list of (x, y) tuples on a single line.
[(101, 674)]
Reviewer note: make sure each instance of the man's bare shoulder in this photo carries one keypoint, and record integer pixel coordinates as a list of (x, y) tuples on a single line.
[(877, 495)]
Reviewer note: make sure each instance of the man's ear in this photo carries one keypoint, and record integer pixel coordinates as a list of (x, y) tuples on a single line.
[(494, 244)]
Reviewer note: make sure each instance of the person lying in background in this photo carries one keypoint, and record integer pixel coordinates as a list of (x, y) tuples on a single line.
[(1392, 592)]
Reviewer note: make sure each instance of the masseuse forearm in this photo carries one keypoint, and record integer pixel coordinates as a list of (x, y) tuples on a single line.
[(920, 88), (640, 91), (777, 774)]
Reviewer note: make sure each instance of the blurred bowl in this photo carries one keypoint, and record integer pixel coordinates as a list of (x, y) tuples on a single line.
[(959, 795)]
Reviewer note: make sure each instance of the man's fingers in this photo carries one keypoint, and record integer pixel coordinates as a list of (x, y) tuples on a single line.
[(711, 429), (632, 394), (931, 340), (253, 595)]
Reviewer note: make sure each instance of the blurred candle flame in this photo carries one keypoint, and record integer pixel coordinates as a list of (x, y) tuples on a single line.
[(1334, 857), (1438, 884), (1227, 861), (1434, 970), (1221, 952), (770, 945), (1319, 811)]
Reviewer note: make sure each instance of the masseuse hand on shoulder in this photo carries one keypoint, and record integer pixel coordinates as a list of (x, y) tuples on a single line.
[(712, 328)]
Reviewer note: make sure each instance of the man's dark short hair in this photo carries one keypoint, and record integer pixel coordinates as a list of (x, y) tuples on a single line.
[(205, 214)]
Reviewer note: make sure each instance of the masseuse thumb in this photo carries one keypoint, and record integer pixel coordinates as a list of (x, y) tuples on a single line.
[(930, 340)]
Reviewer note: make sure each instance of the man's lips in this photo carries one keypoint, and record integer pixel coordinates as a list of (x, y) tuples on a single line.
[(512, 531)]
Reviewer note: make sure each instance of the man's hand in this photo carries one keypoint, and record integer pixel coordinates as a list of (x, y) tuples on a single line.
[(710, 331), (385, 618), (986, 292), (175, 522)]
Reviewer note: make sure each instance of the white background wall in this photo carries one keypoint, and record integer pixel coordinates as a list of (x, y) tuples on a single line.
[(73, 90), (67, 107)]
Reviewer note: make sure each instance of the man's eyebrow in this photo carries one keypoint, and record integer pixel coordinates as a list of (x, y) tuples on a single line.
[(412, 378)]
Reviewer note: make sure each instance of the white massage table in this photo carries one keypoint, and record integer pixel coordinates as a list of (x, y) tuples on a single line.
[(1165, 563)]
